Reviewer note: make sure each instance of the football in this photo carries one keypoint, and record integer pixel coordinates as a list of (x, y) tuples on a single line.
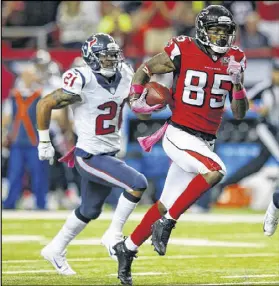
[(157, 94)]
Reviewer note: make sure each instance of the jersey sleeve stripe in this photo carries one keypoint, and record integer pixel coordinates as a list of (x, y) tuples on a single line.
[(175, 52), (82, 77)]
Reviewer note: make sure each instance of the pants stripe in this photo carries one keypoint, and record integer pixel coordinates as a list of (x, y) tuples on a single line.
[(101, 174), (208, 162)]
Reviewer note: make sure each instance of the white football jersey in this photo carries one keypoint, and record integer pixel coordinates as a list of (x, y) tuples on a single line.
[(98, 117)]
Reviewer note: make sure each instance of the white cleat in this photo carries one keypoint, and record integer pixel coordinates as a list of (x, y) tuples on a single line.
[(270, 224), (58, 261), (109, 239)]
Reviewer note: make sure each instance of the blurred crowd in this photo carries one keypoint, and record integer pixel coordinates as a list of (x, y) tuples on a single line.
[(142, 28)]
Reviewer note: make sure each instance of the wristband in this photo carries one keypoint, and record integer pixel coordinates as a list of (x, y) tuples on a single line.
[(239, 94), (136, 88), (44, 135)]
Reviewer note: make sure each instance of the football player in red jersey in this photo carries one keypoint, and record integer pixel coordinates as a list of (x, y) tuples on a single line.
[(206, 69)]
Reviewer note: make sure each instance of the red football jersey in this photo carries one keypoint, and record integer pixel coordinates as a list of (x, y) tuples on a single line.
[(201, 84)]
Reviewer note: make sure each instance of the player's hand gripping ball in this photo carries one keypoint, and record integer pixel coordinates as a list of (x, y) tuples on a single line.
[(157, 94)]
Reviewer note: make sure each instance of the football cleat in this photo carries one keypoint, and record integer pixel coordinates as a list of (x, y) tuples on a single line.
[(125, 258), (58, 261), (110, 239), (161, 231), (270, 223)]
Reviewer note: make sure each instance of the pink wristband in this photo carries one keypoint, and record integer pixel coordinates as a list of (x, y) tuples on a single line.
[(239, 94), (136, 88)]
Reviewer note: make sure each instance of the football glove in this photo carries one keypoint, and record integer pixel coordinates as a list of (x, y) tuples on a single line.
[(234, 70)]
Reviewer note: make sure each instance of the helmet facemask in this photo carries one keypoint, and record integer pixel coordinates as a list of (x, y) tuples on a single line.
[(109, 60), (218, 35)]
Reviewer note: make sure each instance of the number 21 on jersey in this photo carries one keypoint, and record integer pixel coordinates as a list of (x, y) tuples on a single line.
[(69, 79), (199, 88)]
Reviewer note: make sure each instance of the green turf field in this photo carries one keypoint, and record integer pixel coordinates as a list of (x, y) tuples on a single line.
[(202, 250)]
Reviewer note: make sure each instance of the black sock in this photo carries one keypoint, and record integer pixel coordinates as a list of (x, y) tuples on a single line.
[(130, 197)]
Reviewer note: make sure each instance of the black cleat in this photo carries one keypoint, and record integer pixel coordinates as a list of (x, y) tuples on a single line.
[(161, 231), (125, 258)]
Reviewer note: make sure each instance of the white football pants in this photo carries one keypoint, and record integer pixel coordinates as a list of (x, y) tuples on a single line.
[(190, 156)]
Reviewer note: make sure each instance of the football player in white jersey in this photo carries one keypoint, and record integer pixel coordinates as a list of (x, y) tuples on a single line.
[(96, 93)]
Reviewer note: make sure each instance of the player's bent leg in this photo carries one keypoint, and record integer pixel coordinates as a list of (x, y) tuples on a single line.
[(161, 230), (173, 188), (131, 244), (271, 217), (93, 198), (128, 248), (125, 258), (110, 171), (193, 156), (55, 251)]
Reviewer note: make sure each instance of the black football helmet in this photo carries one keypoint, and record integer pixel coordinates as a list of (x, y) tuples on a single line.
[(102, 54), (216, 16)]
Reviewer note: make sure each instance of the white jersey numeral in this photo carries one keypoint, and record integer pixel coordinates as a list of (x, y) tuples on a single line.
[(194, 92), (190, 88)]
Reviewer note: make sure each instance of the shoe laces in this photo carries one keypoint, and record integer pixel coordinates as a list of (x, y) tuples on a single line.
[(168, 225), (62, 257), (272, 220)]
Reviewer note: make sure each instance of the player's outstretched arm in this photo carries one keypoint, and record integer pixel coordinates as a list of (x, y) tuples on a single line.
[(55, 100), (239, 106)]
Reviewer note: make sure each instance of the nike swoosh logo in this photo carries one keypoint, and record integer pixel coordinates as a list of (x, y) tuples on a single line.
[(57, 264)]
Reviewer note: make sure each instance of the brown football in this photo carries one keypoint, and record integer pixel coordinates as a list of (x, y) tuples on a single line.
[(157, 94)]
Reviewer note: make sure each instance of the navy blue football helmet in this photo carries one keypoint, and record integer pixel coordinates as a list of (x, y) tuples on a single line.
[(102, 54)]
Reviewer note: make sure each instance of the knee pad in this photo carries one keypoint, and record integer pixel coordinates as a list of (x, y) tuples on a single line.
[(90, 213), (276, 199), (140, 183)]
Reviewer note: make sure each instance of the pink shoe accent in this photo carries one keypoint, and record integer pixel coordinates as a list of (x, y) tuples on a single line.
[(69, 158), (147, 142)]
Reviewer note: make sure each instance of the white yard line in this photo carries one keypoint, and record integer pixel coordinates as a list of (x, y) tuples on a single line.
[(251, 276), (205, 218), (237, 283), (151, 274), (28, 271), (19, 238), (174, 241), (175, 257)]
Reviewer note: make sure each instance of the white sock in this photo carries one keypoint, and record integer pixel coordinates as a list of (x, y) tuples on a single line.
[(273, 210), (71, 228), (130, 245), (122, 212), (168, 216)]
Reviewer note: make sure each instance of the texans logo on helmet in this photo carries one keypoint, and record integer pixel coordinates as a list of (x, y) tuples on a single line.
[(93, 42)]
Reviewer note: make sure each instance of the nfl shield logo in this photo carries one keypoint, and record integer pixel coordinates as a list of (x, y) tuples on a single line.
[(112, 90), (225, 61)]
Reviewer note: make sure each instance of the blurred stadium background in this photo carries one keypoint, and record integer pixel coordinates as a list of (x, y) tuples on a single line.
[(42, 39), (49, 34)]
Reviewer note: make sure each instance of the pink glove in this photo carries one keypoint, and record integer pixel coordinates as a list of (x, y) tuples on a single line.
[(140, 105), (234, 70)]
